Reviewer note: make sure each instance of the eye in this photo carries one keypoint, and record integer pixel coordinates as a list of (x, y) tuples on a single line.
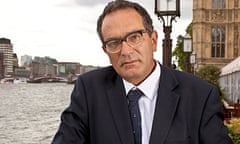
[(113, 44), (134, 38)]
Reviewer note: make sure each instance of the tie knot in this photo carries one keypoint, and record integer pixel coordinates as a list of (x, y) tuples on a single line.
[(134, 95)]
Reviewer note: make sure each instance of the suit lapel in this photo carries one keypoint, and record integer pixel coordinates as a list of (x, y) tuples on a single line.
[(166, 106), (119, 107)]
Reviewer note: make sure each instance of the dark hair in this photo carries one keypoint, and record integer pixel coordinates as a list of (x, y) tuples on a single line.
[(122, 4)]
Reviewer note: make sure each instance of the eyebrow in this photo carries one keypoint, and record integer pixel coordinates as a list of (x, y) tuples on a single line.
[(126, 35)]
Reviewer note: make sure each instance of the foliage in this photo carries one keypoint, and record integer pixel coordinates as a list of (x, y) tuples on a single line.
[(189, 29), (210, 73), (178, 51), (234, 130)]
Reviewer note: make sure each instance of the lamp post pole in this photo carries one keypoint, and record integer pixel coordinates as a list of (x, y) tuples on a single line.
[(167, 11), (167, 46)]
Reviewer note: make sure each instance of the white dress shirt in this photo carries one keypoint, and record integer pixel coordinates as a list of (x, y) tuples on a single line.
[(147, 102)]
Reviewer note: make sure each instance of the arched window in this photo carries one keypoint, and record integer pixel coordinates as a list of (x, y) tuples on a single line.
[(218, 4), (218, 42)]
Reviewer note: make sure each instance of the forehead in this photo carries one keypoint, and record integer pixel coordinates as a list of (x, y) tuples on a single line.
[(120, 22)]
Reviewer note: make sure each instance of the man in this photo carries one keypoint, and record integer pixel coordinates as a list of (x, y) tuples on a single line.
[(173, 108)]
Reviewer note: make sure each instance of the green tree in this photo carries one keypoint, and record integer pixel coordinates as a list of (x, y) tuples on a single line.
[(211, 74), (189, 29), (179, 54), (178, 51)]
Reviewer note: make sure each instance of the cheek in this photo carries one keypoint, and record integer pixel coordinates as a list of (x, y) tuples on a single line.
[(146, 50), (115, 64), (113, 59), (151, 47)]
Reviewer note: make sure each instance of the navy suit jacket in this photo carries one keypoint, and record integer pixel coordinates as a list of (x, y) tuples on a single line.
[(188, 111)]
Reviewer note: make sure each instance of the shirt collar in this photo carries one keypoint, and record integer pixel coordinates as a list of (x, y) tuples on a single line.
[(149, 86)]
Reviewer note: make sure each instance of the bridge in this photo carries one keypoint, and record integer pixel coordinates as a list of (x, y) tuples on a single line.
[(48, 78)]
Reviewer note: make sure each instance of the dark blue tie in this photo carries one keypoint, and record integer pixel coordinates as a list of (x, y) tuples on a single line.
[(133, 97)]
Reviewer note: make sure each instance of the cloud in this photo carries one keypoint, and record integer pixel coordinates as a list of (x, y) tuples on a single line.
[(66, 29), (186, 9), (90, 2)]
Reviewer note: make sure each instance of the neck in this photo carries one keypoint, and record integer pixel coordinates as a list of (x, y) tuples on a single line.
[(136, 83)]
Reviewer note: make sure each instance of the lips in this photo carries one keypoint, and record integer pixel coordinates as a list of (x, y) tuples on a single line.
[(128, 63)]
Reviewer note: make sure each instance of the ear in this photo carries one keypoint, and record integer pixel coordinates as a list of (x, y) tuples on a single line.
[(104, 49), (154, 38)]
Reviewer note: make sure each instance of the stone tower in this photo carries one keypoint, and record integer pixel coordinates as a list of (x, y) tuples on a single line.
[(216, 31)]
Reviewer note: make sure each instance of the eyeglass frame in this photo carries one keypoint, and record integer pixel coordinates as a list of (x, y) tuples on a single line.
[(120, 40)]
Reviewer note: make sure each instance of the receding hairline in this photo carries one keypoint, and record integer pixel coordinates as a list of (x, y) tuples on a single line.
[(120, 10), (122, 5)]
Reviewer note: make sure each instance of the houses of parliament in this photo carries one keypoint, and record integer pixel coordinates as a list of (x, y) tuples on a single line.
[(215, 32)]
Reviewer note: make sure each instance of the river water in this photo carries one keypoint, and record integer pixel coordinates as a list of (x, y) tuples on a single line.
[(30, 113)]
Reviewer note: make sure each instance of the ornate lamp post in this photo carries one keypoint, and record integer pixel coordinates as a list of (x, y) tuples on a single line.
[(187, 43), (167, 11), (187, 48)]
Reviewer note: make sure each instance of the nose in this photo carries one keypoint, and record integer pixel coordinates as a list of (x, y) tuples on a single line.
[(126, 49)]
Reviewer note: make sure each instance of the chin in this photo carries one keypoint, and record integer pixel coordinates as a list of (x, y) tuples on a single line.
[(130, 73)]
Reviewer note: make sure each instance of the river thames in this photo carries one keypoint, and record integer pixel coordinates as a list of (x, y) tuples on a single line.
[(30, 113)]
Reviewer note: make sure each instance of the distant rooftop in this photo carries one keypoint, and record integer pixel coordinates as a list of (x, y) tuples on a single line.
[(5, 41)]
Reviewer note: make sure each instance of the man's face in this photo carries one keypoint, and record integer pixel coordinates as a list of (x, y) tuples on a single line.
[(134, 64)]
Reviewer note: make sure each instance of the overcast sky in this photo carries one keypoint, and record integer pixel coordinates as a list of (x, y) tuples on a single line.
[(66, 29)]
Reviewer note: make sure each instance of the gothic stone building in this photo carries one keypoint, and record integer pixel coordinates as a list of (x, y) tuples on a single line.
[(216, 29)]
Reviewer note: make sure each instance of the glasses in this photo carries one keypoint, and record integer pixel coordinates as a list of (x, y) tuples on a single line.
[(132, 39)]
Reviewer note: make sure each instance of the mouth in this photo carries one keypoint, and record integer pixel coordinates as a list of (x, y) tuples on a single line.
[(129, 63)]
